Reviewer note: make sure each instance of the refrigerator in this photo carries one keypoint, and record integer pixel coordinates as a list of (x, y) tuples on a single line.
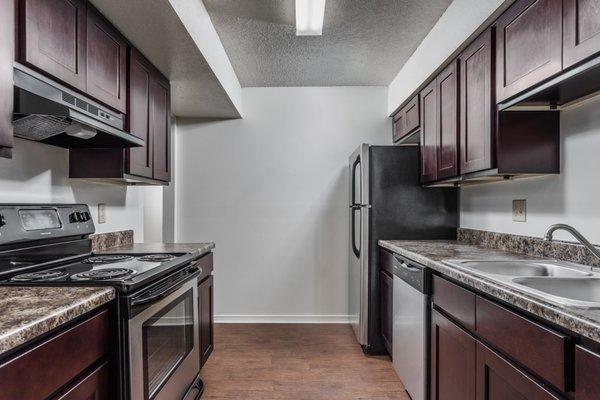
[(387, 201)]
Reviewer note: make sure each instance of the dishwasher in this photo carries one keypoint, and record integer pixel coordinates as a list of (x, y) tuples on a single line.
[(410, 343)]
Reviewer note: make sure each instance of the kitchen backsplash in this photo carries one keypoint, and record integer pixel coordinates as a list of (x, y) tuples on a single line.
[(105, 241), (530, 246)]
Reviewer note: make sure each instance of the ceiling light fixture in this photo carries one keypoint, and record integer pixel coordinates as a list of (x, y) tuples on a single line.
[(309, 17)]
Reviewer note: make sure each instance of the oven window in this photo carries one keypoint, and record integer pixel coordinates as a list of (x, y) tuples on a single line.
[(168, 339)]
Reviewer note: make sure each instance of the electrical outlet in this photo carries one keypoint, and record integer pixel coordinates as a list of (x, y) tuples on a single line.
[(101, 213), (519, 210)]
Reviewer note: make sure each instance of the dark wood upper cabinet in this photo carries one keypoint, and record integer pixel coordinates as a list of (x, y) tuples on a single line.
[(106, 62), (160, 117), (406, 121), (7, 42), (477, 104), (139, 159), (52, 38), (429, 135), (386, 302), (498, 379), (581, 25), (453, 357), (528, 45), (447, 122)]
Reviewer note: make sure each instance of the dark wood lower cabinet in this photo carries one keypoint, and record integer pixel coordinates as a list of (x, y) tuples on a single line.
[(206, 318), (498, 379), (94, 386), (587, 381), (453, 356), (386, 295)]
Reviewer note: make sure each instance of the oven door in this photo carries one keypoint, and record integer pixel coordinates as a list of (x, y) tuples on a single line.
[(163, 345)]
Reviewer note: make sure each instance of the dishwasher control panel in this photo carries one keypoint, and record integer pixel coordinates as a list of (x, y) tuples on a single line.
[(416, 275)]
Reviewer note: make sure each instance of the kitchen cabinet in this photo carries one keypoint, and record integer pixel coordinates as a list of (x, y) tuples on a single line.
[(429, 136), (52, 39), (453, 358), (35, 374), (581, 35), (587, 365), (528, 45), (206, 308), (498, 378), (106, 61), (447, 122), (148, 116), (7, 43), (477, 104), (406, 121), (386, 295)]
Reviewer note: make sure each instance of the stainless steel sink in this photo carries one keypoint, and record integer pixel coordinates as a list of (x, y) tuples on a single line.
[(520, 268), (567, 291), (558, 282)]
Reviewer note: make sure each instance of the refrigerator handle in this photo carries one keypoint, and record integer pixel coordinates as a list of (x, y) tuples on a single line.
[(355, 250)]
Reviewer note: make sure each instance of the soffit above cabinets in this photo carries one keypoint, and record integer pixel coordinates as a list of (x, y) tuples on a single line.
[(168, 33)]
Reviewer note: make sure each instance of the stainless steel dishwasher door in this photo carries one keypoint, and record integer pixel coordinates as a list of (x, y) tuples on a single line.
[(410, 338)]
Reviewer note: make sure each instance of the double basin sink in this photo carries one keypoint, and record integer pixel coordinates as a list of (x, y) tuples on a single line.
[(558, 282)]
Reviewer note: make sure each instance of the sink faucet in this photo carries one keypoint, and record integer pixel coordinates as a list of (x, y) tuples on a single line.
[(586, 243)]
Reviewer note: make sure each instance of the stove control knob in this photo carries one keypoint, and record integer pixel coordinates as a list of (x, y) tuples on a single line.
[(86, 216), (73, 217), (2, 220)]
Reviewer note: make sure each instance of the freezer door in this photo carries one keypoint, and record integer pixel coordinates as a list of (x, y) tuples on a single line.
[(358, 269)]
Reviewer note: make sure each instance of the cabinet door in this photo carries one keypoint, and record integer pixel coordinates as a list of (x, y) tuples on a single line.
[(453, 356), (106, 62), (476, 105), (398, 128), (587, 365), (429, 134), (386, 293), (53, 38), (447, 125), (581, 24), (7, 42), (160, 117), (528, 45), (139, 160), (95, 386), (498, 379), (206, 301)]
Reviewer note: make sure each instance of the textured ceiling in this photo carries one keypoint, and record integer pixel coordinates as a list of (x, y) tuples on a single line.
[(364, 42)]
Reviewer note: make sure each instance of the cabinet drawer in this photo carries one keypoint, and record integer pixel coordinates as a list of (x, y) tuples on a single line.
[(455, 301), (55, 362), (94, 386), (541, 350), (386, 261), (206, 264), (587, 365)]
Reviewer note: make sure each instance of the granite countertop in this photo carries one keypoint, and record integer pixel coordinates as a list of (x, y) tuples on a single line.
[(191, 248), (431, 253), (27, 312)]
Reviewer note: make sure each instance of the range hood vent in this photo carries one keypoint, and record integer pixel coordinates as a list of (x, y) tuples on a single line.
[(48, 112)]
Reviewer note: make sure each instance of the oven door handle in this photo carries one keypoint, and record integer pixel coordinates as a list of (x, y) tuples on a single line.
[(195, 390), (194, 270)]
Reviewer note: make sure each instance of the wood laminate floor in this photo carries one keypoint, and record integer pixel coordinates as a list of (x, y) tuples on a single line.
[(295, 362)]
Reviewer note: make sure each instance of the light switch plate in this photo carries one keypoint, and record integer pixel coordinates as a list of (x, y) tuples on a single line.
[(101, 213), (519, 210)]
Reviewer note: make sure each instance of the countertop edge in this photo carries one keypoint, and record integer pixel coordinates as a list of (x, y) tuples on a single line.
[(549, 312), (24, 334)]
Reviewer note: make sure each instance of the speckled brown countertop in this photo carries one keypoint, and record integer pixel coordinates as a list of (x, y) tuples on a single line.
[(431, 253), (28, 312), (192, 248)]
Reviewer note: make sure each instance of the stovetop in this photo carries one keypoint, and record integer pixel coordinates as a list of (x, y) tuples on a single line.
[(123, 271)]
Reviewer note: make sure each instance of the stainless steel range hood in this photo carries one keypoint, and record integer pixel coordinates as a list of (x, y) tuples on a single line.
[(47, 112)]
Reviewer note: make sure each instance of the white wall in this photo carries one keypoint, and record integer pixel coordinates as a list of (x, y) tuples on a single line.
[(39, 174), (271, 191), (572, 197), (459, 22)]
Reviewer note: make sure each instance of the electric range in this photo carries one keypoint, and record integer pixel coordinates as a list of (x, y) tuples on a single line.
[(157, 294)]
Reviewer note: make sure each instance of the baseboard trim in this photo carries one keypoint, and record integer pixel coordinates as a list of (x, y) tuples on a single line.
[(282, 319)]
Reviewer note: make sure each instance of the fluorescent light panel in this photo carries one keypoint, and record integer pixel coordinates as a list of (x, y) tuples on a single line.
[(309, 17)]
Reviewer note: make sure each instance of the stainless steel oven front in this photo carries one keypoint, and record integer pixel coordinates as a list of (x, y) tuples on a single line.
[(164, 355)]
